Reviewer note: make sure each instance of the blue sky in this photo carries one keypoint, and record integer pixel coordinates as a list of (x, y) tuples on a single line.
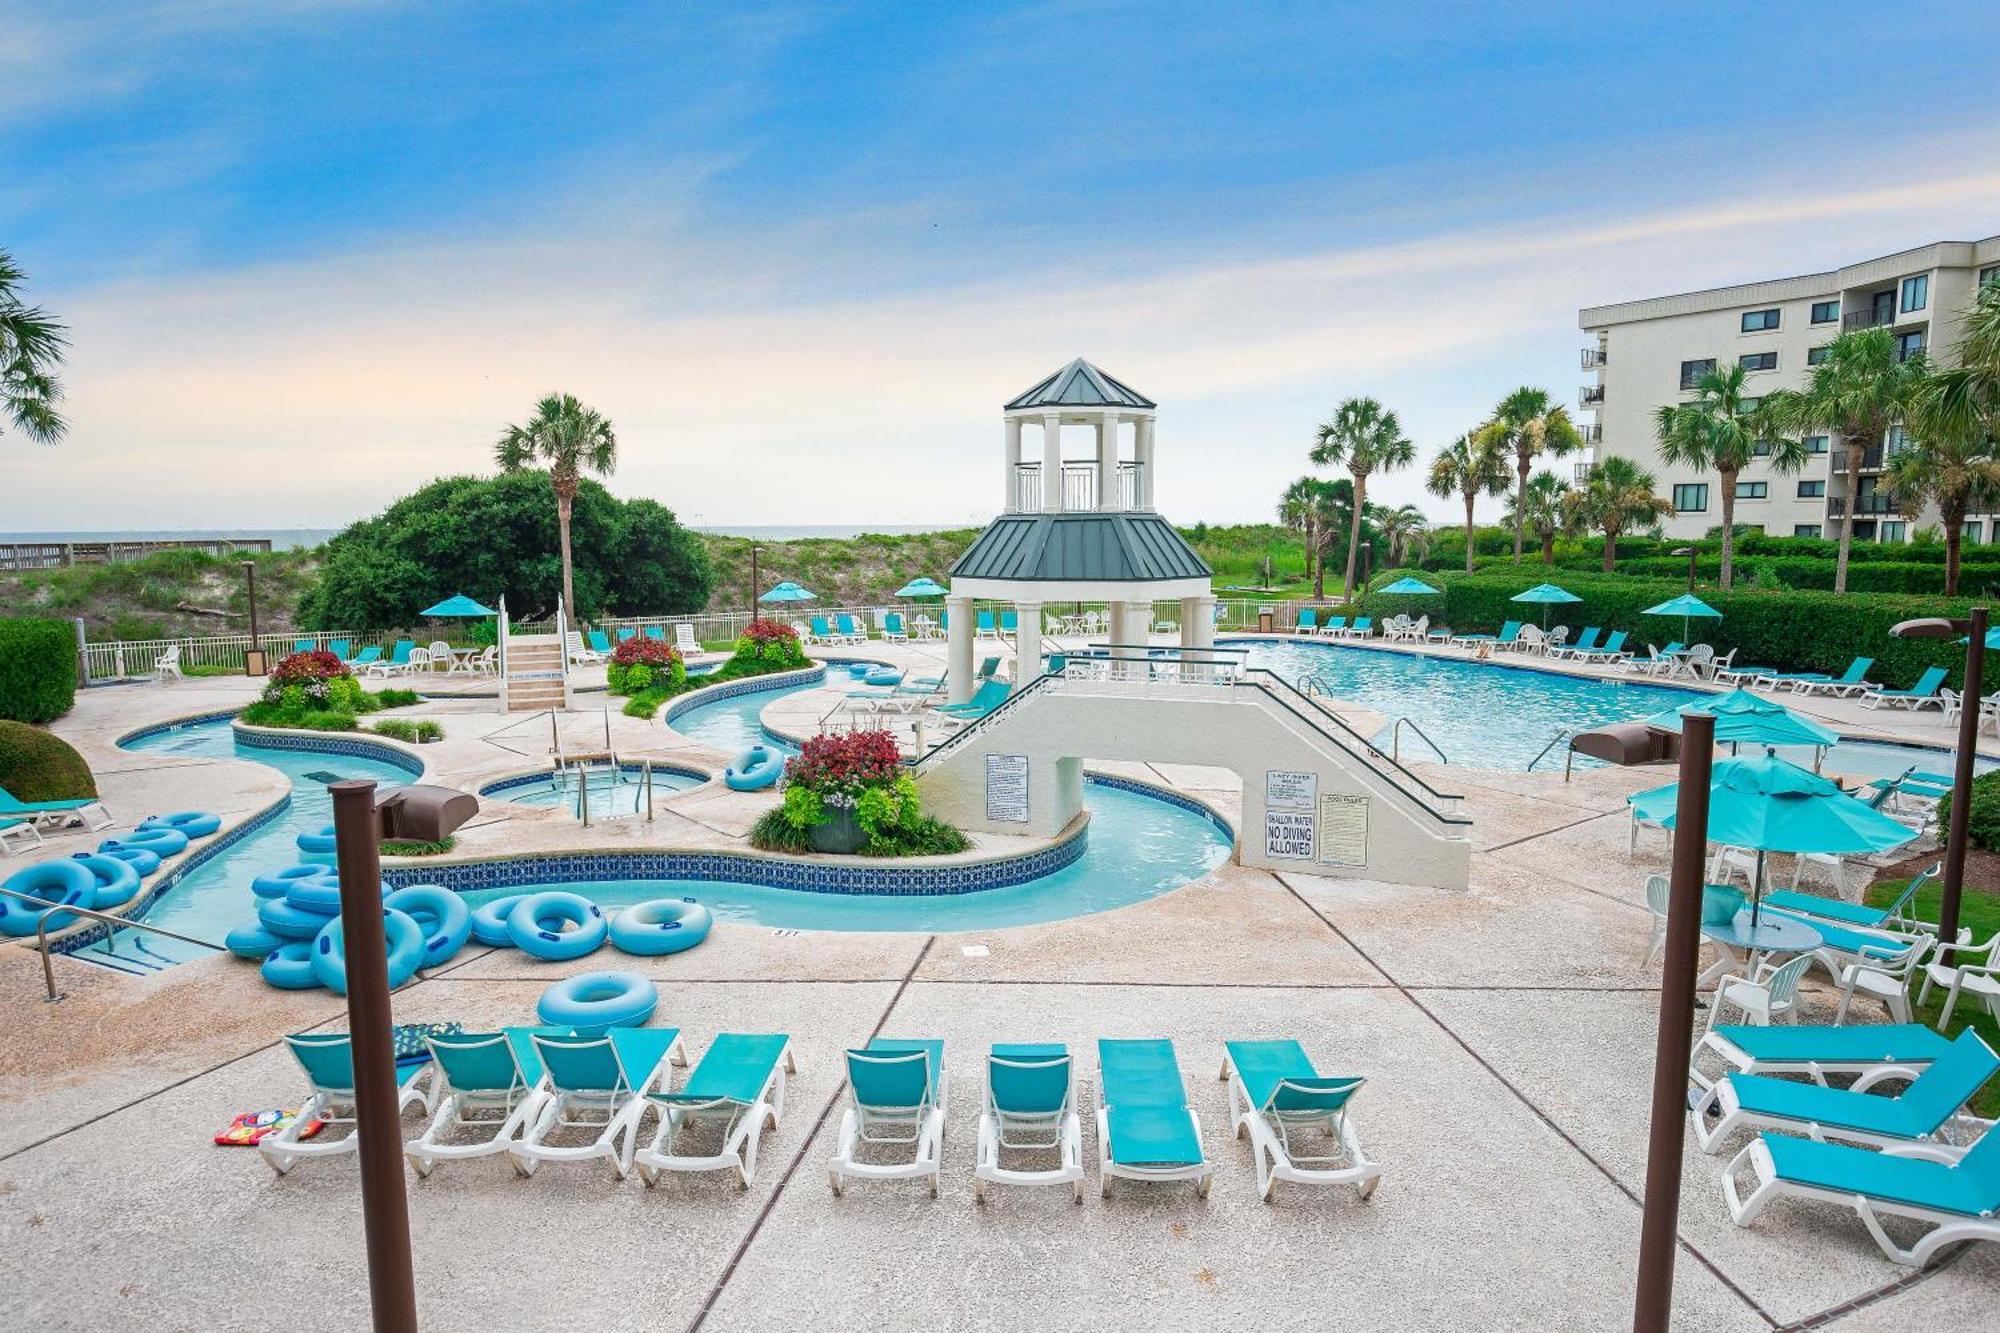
[(315, 251)]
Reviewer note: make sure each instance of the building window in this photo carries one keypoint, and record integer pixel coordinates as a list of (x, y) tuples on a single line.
[(1692, 371), (1805, 529), (1815, 444), (1895, 440), (1753, 490), (1971, 532), (1691, 497), (1759, 360), (1987, 275), (1909, 344), (1812, 490), (1759, 321), (1825, 312), (1815, 355), (1889, 532), (1761, 449), (1916, 293)]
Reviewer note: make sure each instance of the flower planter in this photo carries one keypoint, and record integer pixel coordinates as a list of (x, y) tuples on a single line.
[(841, 834)]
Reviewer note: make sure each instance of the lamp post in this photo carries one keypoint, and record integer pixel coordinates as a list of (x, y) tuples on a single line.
[(1653, 1302), (754, 549), (253, 656), (1691, 553), (1974, 630)]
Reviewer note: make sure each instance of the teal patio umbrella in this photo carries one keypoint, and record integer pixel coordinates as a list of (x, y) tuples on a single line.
[(1686, 606), (458, 605), (1409, 587), (1742, 717), (787, 592), (1546, 595), (921, 587), (1768, 804)]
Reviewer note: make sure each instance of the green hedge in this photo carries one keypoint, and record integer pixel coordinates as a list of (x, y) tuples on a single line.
[(1900, 576), (1789, 629), (37, 669), (36, 766), (1984, 823)]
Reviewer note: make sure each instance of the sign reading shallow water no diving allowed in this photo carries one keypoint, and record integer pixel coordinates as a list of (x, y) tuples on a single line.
[(1288, 814)]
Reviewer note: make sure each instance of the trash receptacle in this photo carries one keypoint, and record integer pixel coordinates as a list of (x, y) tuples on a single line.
[(1264, 619)]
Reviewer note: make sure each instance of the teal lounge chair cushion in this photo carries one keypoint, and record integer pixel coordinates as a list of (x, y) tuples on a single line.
[(734, 1068), (1892, 1043), (1146, 1104), (1906, 1180), (1035, 1091), (328, 1059), (10, 805), (1923, 1107), (1264, 1065), (589, 1064), (1841, 939), (896, 1084)]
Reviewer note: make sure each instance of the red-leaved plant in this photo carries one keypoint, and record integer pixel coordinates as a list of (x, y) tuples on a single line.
[(639, 648), (846, 764), (305, 668), (769, 631)]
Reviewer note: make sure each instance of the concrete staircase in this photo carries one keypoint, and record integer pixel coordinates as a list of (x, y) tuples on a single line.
[(535, 674)]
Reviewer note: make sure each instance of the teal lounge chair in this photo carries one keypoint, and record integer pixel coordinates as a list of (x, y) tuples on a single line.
[(740, 1080), (944, 622), (820, 630), (367, 656), (626, 632), (327, 1058), (1584, 643), (656, 632), (339, 647), (87, 811), (1275, 1093), (397, 660), (1029, 1107), (1145, 1128), (896, 1097), (1857, 914), (892, 628), (598, 1082), (600, 642), (850, 630), (1873, 1051), (986, 628), (1010, 622), (1508, 633), (989, 696), (1331, 628), (304, 645), (489, 1083), (1921, 695), (1362, 627), (1928, 1105), (1960, 1199), (1611, 650), (1308, 622), (1818, 682)]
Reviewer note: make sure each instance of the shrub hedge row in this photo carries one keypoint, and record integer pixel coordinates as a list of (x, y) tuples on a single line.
[(37, 669), (1790, 629), (38, 766), (1901, 576)]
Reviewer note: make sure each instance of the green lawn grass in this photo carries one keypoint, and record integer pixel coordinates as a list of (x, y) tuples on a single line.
[(1978, 912)]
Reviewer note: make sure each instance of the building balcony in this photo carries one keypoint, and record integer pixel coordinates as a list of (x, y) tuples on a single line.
[(1875, 503), (1592, 434), (1590, 396), (1594, 358), (1581, 472), (1871, 460), (1078, 488)]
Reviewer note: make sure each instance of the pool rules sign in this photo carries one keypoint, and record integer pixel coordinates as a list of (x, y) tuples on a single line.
[(1289, 798)]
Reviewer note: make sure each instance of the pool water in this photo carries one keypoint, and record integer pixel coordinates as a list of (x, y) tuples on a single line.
[(731, 725), (612, 792), (216, 897), (1139, 847)]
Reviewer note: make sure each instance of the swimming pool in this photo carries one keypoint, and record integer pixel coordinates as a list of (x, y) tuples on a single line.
[(613, 792), (215, 896), (1491, 715), (1139, 846)]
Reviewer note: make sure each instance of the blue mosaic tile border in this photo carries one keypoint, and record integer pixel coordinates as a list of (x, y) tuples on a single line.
[(532, 779), (178, 724), (330, 743)]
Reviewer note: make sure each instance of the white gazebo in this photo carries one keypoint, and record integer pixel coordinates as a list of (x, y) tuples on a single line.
[(1078, 529)]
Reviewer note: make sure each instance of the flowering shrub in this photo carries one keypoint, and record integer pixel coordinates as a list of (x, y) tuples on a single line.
[(766, 645), (640, 648), (304, 668), (640, 664), (845, 765), (860, 772), (314, 690)]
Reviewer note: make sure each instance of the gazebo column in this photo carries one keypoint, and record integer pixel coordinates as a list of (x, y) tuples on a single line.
[(1052, 499), (1013, 480), (1142, 454), (1198, 632), (958, 638), (1107, 462), (1027, 641)]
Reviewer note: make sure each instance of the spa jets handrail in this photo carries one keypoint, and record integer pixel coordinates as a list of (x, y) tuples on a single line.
[(1396, 740), (117, 923)]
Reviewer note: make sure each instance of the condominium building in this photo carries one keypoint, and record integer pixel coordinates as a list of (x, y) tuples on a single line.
[(1650, 354)]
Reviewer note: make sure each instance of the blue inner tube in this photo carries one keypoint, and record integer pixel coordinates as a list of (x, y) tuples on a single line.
[(537, 926), (115, 880), (442, 915), (192, 823), (590, 1002), (489, 921), (661, 926), (51, 883), (318, 841), (278, 916), (277, 883), (161, 842), (756, 768), (406, 951), (319, 893), (290, 966), (138, 858), (883, 676), (251, 940)]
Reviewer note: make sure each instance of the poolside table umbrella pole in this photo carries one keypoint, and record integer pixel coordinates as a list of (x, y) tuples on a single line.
[(1652, 1305), (1953, 887), (385, 1214)]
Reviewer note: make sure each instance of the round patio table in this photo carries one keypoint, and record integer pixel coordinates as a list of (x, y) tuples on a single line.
[(1743, 948)]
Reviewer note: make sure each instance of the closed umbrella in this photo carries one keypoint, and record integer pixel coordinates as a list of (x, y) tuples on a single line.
[(1686, 606), (1547, 595), (1768, 804)]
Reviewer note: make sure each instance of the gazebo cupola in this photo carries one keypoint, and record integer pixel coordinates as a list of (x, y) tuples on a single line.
[(1078, 529)]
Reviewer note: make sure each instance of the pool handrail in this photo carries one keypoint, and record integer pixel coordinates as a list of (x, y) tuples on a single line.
[(116, 922)]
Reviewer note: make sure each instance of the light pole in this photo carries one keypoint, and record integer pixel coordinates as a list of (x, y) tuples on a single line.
[(754, 549), (1653, 1302), (1974, 630), (253, 656), (1691, 553)]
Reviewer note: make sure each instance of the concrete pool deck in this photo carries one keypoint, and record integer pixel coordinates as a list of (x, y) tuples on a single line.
[(1506, 1033)]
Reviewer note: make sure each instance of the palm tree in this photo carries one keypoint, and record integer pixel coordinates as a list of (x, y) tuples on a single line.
[(1469, 467), (1965, 399), (1547, 516), (1860, 388), (568, 438), (1958, 473), (1530, 423), (1717, 432), (1618, 496), (1406, 530), (1366, 437), (1314, 508), (31, 347)]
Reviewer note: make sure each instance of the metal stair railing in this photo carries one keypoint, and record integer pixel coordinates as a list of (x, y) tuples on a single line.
[(116, 922)]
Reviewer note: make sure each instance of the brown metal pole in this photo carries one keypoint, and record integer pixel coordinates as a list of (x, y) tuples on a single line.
[(753, 580), (1961, 787), (250, 592), (385, 1217), (1660, 1222)]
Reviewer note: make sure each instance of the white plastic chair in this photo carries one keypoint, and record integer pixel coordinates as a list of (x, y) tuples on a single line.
[(1659, 890), (420, 660), (1962, 975), (1729, 861), (1886, 980), (168, 665), (1772, 993)]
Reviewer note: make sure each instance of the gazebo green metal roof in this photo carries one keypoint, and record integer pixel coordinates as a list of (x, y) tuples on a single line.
[(1112, 547), (1080, 384)]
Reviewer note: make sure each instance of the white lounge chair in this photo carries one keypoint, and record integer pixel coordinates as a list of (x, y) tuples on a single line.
[(1029, 1106), (896, 1096), (1276, 1093), (579, 652), (1873, 1053), (684, 640), (327, 1058), (18, 835), (740, 1080), (597, 1082), (1145, 1128), (490, 1084)]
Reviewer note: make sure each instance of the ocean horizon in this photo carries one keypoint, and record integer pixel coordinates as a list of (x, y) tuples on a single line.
[(284, 539)]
